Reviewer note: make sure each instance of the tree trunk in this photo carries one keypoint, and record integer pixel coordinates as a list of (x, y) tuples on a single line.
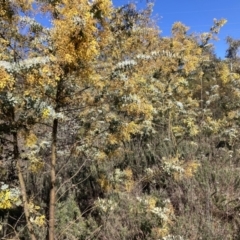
[(23, 187), (51, 230)]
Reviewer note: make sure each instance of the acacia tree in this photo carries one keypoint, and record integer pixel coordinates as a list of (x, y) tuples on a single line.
[(42, 77), (79, 93)]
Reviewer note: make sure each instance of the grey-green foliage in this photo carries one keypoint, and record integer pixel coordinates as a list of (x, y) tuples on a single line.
[(69, 221)]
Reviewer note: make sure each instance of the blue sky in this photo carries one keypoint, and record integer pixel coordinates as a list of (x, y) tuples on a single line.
[(198, 15)]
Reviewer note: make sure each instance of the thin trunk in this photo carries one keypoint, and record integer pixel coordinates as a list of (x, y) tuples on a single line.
[(51, 231), (23, 187), (19, 170), (52, 201)]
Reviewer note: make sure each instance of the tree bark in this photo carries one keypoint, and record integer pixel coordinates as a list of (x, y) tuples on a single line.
[(52, 203), (23, 187)]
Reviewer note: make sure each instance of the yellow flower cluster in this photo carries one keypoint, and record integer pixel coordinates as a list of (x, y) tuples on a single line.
[(31, 140), (5, 199), (24, 4), (36, 165), (45, 113), (121, 182), (36, 218), (191, 168), (6, 80), (193, 128), (128, 129), (8, 199), (40, 220)]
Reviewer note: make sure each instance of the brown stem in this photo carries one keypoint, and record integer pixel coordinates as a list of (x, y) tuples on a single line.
[(22, 186), (51, 232), (52, 201)]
